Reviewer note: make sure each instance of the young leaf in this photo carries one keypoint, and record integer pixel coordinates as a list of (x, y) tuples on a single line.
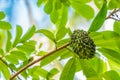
[(69, 70), (5, 25), (105, 39), (41, 53), (98, 3), (114, 4), (11, 59), (1, 52), (52, 72), (47, 33), (37, 71), (48, 6), (58, 4), (18, 55), (67, 54), (87, 69), (54, 16), (99, 65), (69, 31), (61, 33), (64, 17), (99, 19), (18, 35), (4, 70), (111, 75), (117, 27), (50, 58), (114, 66), (9, 43), (62, 41), (117, 30), (28, 34), (39, 2), (27, 47), (81, 1), (83, 9), (111, 54), (2, 15)]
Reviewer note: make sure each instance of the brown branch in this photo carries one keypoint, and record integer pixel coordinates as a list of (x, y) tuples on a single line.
[(37, 60), (113, 12)]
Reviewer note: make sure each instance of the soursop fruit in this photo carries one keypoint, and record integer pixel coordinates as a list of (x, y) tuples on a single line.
[(82, 44)]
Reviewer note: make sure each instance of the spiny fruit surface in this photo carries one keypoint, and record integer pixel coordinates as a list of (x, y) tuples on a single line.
[(82, 44)]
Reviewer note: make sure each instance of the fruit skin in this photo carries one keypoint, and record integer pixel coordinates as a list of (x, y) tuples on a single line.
[(82, 44)]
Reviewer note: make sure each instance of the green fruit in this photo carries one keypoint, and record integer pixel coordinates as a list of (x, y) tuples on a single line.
[(82, 44)]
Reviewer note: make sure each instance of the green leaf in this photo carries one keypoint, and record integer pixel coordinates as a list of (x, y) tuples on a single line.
[(41, 53), (62, 42), (78, 66), (27, 47), (63, 1), (5, 25), (81, 1), (18, 35), (2, 15), (37, 71), (98, 3), (25, 74), (11, 59), (114, 66), (99, 19), (35, 78), (67, 54), (88, 69), (18, 55), (61, 33), (9, 43), (117, 30), (1, 52), (114, 4), (39, 2), (47, 33), (105, 39), (50, 58), (111, 75), (52, 72), (12, 66), (48, 6), (69, 70), (54, 16), (28, 34), (111, 54), (58, 4), (4, 70), (63, 18), (99, 65), (117, 27), (69, 32), (40, 45), (83, 9)]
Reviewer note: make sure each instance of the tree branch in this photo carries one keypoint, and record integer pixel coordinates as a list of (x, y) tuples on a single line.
[(37, 60), (113, 12)]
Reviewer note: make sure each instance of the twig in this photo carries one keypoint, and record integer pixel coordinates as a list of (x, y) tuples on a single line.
[(113, 12), (37, 60), (114, 19)]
